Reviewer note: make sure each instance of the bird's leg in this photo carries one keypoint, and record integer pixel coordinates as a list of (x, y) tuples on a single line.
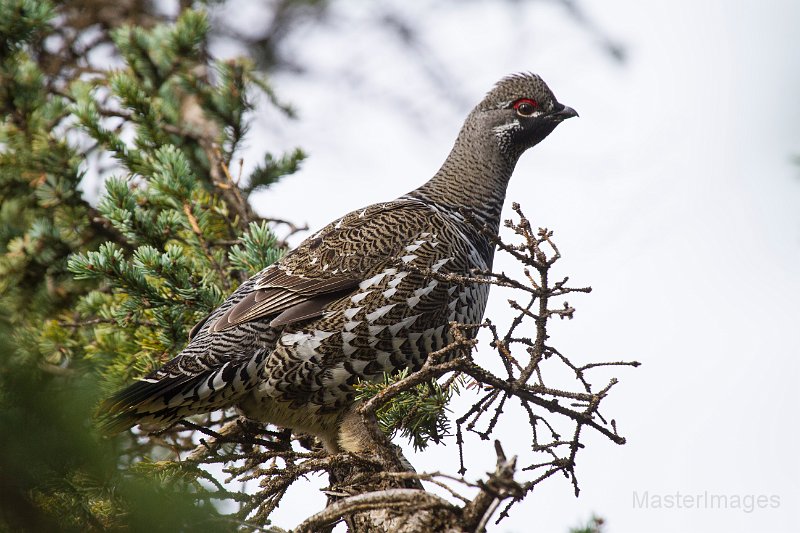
[(360, 434)]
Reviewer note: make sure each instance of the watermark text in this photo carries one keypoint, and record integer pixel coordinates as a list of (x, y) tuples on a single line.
[(747, 503)]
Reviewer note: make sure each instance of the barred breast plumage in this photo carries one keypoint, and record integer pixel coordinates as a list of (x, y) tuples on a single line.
[(355, 299)]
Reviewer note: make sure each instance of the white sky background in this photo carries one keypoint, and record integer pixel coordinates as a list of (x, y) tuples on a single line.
[(674, 196)]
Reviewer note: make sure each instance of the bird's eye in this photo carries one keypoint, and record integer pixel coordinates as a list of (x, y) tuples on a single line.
[(525, 107)]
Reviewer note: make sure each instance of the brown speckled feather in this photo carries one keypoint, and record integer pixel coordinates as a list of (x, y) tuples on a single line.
[(310, 276)]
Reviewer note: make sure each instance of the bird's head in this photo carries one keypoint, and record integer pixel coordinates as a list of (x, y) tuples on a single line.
[(520, 111)]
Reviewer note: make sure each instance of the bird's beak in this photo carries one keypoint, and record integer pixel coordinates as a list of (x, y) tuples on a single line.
[(565, 112)]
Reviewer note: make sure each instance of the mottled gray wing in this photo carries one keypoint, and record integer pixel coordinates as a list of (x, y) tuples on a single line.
[(328, 265), (287, 298)]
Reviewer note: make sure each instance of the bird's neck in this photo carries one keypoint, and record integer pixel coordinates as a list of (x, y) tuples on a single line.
[(474, 176)]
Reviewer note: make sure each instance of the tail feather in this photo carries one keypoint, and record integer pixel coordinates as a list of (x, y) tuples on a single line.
[(167, 399), (149, 400), (182, 388)]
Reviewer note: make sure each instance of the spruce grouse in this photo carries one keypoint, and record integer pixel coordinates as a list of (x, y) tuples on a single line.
[(352, 301)]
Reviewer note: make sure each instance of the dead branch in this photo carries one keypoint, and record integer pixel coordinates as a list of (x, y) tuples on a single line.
[(411, 499)]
